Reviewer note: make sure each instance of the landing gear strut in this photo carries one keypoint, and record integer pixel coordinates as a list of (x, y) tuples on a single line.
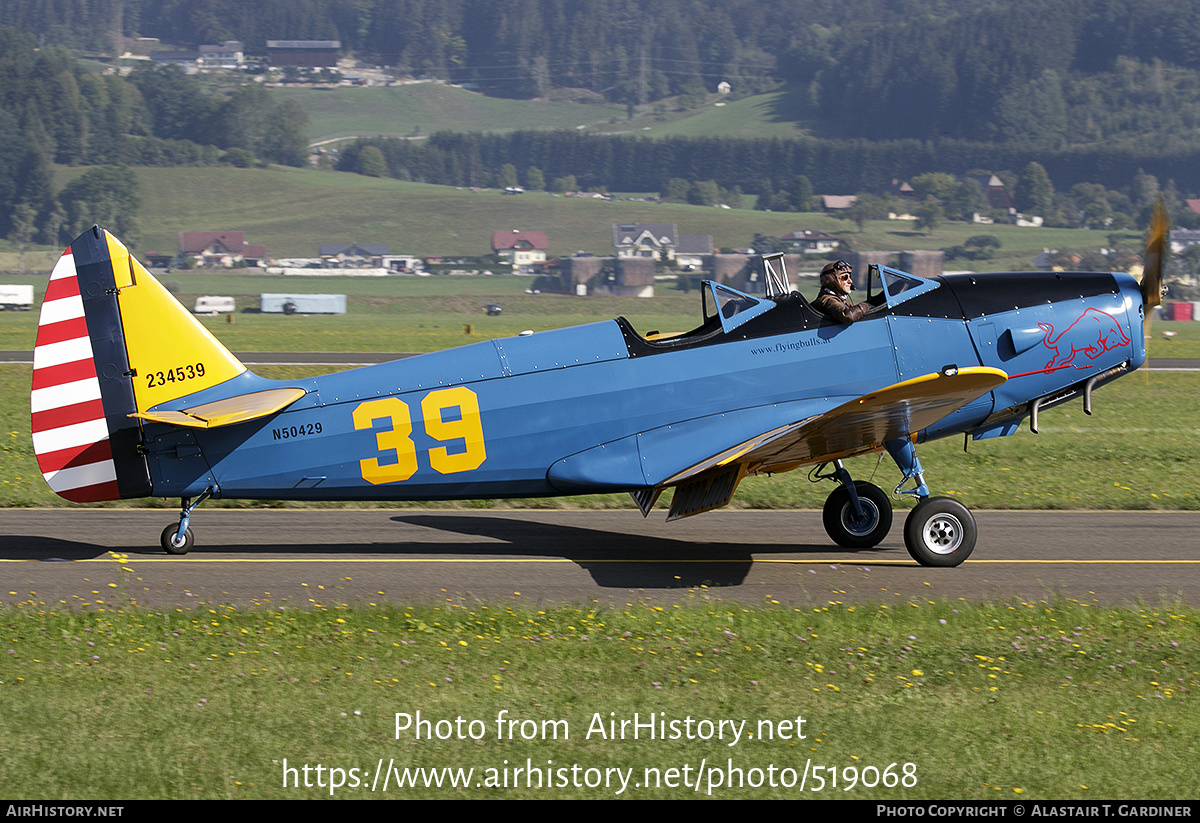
[(858, 515), (177, 538), (939, 531)]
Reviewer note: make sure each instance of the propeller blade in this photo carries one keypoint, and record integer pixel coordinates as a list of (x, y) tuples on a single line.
[(1156, 246)]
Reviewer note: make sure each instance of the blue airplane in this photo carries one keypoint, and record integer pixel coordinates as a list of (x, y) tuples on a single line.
[(133, 397)]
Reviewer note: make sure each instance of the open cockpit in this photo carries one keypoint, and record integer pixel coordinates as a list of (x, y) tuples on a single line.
[(729, 314)]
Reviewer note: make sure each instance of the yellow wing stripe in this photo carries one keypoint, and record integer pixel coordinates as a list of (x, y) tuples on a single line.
[(859, 426), (863, 425)]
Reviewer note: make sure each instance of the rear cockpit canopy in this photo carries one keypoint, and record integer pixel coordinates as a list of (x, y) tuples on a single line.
[(732, 306), (899, 286)]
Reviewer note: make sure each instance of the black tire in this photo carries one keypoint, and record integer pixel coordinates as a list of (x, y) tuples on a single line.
[(167, 541), (840, 522), (940, 532)]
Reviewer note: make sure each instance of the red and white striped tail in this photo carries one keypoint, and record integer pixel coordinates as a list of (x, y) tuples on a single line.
[(70, 433)]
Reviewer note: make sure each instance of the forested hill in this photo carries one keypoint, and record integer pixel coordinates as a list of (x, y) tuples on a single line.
[(53, 109), (1099, 93), (1051, 72)]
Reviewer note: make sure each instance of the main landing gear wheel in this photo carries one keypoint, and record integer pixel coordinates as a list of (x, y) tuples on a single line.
[(850, 531), (940, 532), (169, 540)]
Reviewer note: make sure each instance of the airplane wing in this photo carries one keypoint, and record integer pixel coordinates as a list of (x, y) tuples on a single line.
[(860, 426)]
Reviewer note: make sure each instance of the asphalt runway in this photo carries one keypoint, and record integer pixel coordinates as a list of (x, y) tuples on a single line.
[(108, 557)]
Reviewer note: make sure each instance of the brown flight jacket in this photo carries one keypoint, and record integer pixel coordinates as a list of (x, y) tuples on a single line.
[(836, 307)]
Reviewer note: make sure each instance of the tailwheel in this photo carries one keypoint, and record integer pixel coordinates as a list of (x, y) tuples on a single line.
[(177, 538), (172, 544), (848, 529), (940, 532)]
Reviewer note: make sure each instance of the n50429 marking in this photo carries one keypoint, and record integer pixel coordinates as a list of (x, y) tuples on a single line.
[(290, 432)]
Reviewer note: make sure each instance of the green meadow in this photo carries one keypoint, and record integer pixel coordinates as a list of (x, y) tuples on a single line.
[(777, 114), (420, 109), (292, 211)]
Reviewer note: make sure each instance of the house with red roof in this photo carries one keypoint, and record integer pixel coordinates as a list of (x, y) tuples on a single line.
[(521, 248), (220, 248)]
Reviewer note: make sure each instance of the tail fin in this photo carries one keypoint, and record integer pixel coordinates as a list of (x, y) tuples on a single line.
[(111, 343)]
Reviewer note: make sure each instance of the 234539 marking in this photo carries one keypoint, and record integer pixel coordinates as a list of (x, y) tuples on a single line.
[(175, 375)]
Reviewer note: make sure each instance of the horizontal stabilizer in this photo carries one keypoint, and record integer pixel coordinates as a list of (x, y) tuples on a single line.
[(228, 411)]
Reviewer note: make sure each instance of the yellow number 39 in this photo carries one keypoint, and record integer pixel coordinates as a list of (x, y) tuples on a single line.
[(448, 415)]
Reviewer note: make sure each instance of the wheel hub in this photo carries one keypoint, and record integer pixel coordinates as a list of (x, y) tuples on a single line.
[(943, 534), (860, 526)]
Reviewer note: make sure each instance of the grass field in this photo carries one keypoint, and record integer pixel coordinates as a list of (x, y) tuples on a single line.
[(395, 314), (777, 114), (420, 109), (292, 211), (900, 700)]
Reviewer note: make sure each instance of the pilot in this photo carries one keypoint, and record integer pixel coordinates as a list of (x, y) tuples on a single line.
[(836, 285)]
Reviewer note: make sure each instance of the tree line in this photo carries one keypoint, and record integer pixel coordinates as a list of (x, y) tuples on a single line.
[(761, 166), (54, 110), (1045, 73), (787, 175), (897, 88)]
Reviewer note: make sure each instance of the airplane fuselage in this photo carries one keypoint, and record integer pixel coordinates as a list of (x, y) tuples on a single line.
[(596, 408), (131, 396)]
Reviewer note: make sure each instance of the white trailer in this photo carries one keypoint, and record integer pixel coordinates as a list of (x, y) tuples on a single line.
[(303, 303), (213, 304), (16, 297)]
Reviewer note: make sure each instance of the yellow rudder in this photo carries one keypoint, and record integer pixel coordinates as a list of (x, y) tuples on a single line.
[(171, 354)]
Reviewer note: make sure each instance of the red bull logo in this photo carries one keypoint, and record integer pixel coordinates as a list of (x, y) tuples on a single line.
[(1094, 333)]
